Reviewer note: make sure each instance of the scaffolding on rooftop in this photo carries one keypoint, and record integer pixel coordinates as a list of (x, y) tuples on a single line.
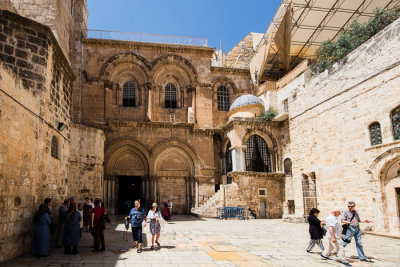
[(146, 37)]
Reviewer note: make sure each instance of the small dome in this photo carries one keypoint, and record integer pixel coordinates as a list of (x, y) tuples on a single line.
[(245, 100)]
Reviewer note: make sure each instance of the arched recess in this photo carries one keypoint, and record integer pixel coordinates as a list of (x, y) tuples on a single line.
[(174, 179), (272, 144), (385, 172)]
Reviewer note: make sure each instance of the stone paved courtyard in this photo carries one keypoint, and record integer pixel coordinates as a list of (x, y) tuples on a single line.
[(191, 241)]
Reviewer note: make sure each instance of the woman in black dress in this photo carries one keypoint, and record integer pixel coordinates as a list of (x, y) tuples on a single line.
[(316, 232)]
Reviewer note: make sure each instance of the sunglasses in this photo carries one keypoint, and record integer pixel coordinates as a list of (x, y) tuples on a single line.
[(350, 206)]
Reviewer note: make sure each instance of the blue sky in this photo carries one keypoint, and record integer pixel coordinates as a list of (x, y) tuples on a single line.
[(216, 20)]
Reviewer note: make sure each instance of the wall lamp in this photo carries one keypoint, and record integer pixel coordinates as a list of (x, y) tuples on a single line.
[(61, 126)]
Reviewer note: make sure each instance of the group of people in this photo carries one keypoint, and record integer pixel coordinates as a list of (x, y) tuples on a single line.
[(72, 217), (339, 232), (139, 219)]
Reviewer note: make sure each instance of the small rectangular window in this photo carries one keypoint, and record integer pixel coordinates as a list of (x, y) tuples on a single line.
[(262, 192)]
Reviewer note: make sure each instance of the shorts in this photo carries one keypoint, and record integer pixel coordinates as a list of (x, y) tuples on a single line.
[(137, 234)]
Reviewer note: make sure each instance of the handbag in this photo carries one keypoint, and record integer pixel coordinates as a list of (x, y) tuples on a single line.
[(323, 230), (347, 225)]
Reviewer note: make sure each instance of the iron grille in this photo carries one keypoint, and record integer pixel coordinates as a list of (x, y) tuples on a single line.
[(223, 98), (309, 193), (396, 123), (375, 133), (228, 158), (54, 147), (129, 94), (170, 96), (257, 155)]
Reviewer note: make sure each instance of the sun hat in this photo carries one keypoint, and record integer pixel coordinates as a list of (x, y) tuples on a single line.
[(154, 205)]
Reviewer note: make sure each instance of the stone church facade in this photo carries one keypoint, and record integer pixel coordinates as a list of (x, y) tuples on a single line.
[(124, 120)]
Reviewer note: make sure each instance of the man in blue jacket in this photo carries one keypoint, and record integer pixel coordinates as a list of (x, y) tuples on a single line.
[(137, 215)]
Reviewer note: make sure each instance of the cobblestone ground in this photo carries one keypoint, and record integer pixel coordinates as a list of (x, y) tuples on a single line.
[(190, 241)]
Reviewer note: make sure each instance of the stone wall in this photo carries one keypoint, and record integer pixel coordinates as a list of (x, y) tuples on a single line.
[(86, 163), (32, 165), (247, 192), (59, 15), (107, 65), (329, 119)]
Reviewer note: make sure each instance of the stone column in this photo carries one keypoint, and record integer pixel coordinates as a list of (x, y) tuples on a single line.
[(197, 193), (238, 162), (149, 103), (113, 195)]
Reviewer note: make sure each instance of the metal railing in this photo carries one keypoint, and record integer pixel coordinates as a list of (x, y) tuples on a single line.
[(146, 37), (231, 213)]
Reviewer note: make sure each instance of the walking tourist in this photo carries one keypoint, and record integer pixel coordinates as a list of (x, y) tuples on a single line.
[(41, 236), (170, 206), (315, 230), (334, 235), (62, 214), (352, 220), (154, 216), (97, 226), (137, 215), (165, 212), (72, 230)]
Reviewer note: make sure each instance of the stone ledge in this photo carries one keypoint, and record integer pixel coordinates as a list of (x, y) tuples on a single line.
[(383, 145), (238, 174)]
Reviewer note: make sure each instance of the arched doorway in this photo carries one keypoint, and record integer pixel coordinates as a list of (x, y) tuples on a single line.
[(126, 176), (390, 186)]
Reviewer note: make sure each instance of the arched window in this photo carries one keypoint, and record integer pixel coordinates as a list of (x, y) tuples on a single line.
[(228, 158), (287, 166), (396, 123), (375, 133), (257, 155), (129, 94), (54, 147), (223, 98), (170, 96)]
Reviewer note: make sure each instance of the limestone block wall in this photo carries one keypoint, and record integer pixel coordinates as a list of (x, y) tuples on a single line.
[(246, 193), (33, 102), (107, 65), (329, 119), (56, 14), (86, 163)]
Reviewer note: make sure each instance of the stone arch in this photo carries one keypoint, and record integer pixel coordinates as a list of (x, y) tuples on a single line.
[(267, 136), (184, 150), (123, 62), (272, 144), (222, 80), (124, 152), (177, 61), (385, 172)]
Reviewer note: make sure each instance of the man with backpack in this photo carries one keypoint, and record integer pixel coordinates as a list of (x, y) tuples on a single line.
[(352, 220)]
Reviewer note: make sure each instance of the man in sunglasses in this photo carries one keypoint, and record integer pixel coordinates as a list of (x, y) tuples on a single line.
[(351, 217)]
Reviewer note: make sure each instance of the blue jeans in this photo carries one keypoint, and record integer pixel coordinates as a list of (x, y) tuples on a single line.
[(137, 234), (356, 232)]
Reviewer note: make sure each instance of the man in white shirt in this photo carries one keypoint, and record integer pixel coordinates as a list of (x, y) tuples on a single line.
[(334, 235)]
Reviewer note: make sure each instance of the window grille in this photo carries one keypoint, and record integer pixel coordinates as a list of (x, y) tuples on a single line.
[(223, 98), (54, 147), (129, 94), (396, 123), (228, 158), (375, 133), (257, 155), (309, 185), (170, 96)]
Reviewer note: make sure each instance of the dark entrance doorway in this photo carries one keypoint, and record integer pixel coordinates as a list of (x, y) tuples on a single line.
[(129, 188)]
